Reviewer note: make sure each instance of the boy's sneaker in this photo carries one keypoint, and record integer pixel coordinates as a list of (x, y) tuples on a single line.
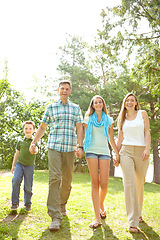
[(14, 207), (28, 208)]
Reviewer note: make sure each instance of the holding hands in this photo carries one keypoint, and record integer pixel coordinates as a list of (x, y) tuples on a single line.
[(33, 149), (116, 160), (79, 152)]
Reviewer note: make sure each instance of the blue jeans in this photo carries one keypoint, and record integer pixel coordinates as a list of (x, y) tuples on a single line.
[(27, 172)]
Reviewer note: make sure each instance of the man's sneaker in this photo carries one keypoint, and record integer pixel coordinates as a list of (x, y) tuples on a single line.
[(28, 208), (55, 225), (63, 210), (14, 207)]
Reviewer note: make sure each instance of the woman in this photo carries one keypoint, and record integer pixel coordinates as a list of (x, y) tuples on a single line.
[(98, 129), (134, 143)]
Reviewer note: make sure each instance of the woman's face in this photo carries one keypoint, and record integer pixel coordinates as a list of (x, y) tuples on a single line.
[(130, 103), (98, 104)]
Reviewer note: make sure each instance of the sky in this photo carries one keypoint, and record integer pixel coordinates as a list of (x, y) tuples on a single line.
[(31, 31)]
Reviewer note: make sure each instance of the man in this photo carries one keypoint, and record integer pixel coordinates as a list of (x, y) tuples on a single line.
[(62, 116)]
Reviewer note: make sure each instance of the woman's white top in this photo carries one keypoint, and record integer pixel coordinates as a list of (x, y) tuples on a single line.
[(99, 143), (133, 131)]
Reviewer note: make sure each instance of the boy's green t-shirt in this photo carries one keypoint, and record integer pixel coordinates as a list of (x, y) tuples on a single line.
[(25, 157)]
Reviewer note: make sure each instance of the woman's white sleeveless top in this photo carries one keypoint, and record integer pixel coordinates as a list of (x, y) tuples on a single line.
[(133, 131)]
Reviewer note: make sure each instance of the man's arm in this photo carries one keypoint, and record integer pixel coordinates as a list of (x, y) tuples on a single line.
[(39, 134), (79, 130)]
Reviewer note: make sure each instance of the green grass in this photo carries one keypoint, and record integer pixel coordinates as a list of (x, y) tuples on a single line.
[(75, 226)]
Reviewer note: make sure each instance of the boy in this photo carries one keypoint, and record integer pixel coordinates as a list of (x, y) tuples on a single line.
[(23, 165)]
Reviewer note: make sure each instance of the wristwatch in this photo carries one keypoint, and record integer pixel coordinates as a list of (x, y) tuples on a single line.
[(80, 147)]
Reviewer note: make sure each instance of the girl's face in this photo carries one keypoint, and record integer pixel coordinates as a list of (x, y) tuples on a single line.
[(130, 103), (98, 104)]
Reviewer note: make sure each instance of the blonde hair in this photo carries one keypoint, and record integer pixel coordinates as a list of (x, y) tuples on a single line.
[(29, 122), (122, 114), (91, 110)]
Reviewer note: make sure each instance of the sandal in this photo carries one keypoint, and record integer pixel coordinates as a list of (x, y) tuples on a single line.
[(95, 225), (140, 219), (103, 214), (133, 230)]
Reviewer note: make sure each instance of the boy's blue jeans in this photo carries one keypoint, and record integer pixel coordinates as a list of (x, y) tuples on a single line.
[(19, 172)]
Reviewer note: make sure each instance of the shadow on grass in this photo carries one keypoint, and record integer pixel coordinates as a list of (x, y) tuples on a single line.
[(145, 233), (64, 232), (10, 225), (103, 232), (152, 187)]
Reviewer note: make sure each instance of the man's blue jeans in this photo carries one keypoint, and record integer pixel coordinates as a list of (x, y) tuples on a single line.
[(20, 172)]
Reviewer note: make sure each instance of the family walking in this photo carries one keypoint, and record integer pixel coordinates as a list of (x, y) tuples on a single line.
[(65, 122)]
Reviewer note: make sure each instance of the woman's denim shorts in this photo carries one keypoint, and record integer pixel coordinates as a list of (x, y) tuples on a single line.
[(98, 156)]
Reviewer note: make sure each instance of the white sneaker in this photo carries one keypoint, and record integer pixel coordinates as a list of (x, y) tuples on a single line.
[(55, 225)]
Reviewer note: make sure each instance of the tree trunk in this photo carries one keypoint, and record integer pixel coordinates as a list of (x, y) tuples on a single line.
[(156, 159)]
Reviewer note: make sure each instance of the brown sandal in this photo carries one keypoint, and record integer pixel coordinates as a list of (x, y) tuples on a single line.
[(133, 230), (103, 214), (95, 225), (140, 219)]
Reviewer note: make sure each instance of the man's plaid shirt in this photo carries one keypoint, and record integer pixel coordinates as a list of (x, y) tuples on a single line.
[(62, 119)]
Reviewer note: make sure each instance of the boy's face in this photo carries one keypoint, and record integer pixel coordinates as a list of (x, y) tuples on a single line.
[(28, 130)]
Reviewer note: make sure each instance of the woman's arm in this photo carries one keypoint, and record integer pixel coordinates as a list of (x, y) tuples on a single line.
[(120, 140), (147, 136)]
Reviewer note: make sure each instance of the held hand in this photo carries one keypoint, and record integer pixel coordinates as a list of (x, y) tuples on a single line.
[(145, 155), (79, 152), (116, 161), (33, 149)]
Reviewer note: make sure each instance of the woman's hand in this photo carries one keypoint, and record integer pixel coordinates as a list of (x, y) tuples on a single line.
[(145, 154), (116, 160)]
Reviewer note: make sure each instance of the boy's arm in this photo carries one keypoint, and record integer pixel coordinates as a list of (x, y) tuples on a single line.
[(14, 160)]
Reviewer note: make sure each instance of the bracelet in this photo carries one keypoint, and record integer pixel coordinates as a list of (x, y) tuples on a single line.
[(80, 147)]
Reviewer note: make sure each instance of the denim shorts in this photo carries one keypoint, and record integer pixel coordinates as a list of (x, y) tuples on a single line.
[(98, 156)]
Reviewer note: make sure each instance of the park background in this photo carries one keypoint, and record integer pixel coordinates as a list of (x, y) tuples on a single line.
[(102, 47)]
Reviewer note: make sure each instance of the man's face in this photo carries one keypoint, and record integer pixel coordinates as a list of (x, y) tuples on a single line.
[(64, 91)]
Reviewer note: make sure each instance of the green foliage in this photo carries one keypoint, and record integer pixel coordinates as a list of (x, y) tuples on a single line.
[(13, 112)]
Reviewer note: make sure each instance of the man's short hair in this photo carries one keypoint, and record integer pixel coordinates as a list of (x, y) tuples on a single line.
[(29, 122), (65, 82)]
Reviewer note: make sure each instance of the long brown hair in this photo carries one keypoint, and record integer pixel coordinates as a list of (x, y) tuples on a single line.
[(91, 110), (122, 114)]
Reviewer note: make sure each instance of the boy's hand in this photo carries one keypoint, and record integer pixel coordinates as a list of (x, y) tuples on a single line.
[(12, 169), (33, 149)]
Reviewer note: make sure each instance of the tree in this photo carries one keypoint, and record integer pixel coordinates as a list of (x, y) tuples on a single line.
[(13, 112), (126, 34)]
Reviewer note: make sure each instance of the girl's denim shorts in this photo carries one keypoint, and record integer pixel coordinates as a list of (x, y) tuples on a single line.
[(98, 156)]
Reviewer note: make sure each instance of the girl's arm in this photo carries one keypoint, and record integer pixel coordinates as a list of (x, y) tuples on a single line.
[(85, 128), (14, 160), (114, 146), (146, 153)]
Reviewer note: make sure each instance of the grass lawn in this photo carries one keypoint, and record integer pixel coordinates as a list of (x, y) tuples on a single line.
[(75, 226)]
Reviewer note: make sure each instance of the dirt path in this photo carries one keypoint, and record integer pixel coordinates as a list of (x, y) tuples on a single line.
[(5, 173)]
